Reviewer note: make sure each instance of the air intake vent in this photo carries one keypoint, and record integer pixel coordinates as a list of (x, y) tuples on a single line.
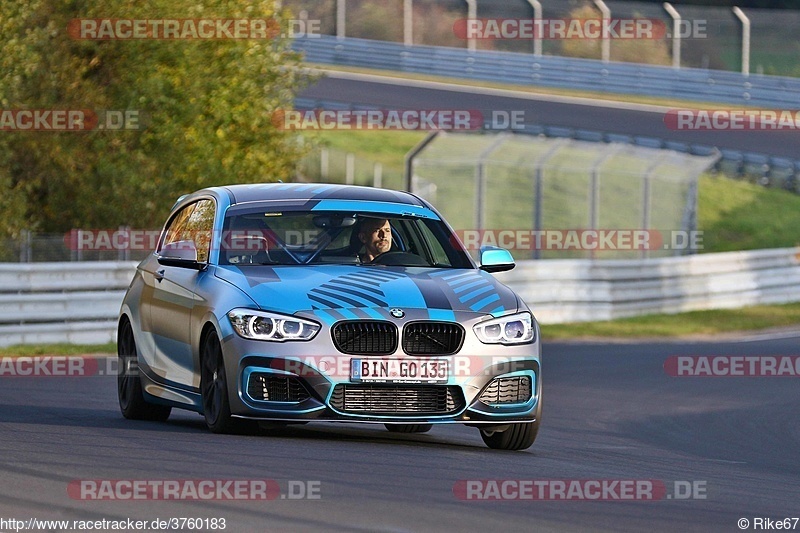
[(432, 338), (271, 388), (515, 389), (397, 400), (365, 337)]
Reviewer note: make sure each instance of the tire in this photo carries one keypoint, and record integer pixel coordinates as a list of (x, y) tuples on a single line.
[(517, 437), (409, 428), (214, 386), (129, 384)]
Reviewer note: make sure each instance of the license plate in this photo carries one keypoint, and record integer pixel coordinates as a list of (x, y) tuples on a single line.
[(399, 370)]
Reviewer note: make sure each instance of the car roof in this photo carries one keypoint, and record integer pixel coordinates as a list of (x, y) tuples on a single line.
[(316, 191)]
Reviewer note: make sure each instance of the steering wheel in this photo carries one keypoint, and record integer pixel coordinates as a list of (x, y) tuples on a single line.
[(398, 258)]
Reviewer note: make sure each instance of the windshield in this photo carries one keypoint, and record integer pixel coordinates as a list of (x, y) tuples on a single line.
[(260, 237)]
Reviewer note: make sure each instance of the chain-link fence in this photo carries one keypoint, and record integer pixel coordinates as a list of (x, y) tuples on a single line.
[(86, 245), (540, 197), (711, 37), (329, 165), (558, 198)]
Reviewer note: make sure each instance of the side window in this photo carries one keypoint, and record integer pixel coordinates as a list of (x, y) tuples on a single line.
[(193, 223), (200, 224)]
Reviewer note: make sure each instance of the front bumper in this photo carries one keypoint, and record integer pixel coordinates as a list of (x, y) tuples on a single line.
[(303, 387)]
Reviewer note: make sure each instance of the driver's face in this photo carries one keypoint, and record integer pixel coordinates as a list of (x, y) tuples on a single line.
[(377, 237)]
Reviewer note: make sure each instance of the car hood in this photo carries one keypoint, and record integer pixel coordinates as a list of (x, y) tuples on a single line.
[(339, 292)]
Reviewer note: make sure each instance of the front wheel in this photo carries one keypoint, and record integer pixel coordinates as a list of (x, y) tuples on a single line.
[(516, 437), (129, 384), (408, 428), (214, 386)]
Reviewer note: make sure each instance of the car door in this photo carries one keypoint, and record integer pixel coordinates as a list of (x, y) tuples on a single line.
[(174, 298)]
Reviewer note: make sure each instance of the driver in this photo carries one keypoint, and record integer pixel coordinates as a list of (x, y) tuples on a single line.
[(376, 236)]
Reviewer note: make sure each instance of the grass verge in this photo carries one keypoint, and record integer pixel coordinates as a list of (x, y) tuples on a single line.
[(57, 349), (712, 322)]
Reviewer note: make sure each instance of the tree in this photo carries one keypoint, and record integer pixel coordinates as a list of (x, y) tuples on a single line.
[(205, 110)]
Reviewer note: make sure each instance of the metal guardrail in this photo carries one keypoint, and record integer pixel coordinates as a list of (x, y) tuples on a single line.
[(576, 290), (79, 302), (715, 86), (76, 303)]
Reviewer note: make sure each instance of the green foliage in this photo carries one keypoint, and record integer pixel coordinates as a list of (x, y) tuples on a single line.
[(205, 111), (651, 51)]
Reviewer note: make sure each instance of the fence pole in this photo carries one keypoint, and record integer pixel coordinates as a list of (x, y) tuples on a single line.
[(341, 31), (594, 190), (24, 246), (350, 169), (537, 38), (472, 13), (745, 40), (411, 157), (538, 191), (676, 34), (324, 164), (377, 175), (480, 180), (647, 196), (408, 22), (605, 42)]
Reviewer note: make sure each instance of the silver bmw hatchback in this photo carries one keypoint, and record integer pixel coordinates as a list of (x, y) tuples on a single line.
[(295, 303)]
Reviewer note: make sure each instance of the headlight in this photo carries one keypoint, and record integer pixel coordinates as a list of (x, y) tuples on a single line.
[(511, 329), (263, 326)]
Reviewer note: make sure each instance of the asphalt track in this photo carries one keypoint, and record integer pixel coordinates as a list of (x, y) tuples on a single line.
[(610, 412), (578, 113)]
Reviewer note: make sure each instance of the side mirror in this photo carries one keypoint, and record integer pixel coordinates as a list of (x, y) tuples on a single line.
[(180, 254), (495, 259)]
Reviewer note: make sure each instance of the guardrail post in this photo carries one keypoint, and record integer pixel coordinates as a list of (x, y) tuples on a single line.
[(745, 40), (537, 37), (676, 34), (605, 43)]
